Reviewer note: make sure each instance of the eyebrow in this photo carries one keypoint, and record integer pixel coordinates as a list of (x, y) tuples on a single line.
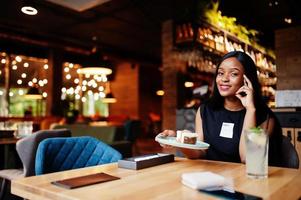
[(233, 68)]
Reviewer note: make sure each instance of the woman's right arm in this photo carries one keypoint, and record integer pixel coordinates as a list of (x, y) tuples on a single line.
[(189, 153), (195, 154)]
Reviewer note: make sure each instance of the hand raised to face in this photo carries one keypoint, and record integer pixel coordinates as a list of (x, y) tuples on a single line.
[(245, 94)]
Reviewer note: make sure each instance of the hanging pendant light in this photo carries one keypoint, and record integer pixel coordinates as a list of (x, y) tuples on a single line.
[(95, 63), (33, 93)]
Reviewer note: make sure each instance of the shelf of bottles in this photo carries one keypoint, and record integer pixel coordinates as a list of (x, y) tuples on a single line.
[(217, 42)]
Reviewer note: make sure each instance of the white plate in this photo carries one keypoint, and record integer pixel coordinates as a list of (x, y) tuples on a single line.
[(173, 142)]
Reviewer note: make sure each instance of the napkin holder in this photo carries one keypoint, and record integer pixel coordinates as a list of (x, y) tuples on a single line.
[(149, 160)]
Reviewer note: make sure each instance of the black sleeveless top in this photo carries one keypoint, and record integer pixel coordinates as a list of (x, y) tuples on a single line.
[(223, 148)]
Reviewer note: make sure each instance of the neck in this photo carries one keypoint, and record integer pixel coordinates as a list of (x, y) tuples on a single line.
[(233, 104)]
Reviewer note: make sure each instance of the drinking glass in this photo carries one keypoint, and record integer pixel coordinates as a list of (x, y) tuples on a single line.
[(257, 146), (25, 128)]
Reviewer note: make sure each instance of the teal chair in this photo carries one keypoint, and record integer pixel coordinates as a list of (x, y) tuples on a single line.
[(59, 154)]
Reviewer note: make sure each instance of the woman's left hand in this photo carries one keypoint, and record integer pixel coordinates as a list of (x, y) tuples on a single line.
[(245, 94)]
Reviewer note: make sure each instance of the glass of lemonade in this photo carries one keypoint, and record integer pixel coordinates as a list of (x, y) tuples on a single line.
[(257, 146)]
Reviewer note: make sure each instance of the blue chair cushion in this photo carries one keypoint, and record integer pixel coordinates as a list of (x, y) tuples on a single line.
[(59, 154)]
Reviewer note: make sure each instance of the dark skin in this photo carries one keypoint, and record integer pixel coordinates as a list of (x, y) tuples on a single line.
[(237, 91)]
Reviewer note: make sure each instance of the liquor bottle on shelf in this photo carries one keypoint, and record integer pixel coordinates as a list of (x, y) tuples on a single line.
[(185, 32), (237, 47), (265, 63), (190, 31), (201, 35), (179, 34), (211, 39), (229, 45), (271, 66), (259, 59), (219, 43), (206, 35)]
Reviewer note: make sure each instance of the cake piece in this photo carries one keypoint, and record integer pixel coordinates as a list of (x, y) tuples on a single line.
[(186, 137), (189, 138), (179, 134)]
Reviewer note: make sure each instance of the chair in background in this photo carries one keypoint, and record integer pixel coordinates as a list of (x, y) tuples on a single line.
[(26, 149), (59, 154), (290, 157), (132, 130)]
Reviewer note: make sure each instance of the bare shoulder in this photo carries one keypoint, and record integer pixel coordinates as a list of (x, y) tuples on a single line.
[(198, 125)]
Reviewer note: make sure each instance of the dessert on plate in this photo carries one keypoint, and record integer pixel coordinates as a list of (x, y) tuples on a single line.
[(186, 137)]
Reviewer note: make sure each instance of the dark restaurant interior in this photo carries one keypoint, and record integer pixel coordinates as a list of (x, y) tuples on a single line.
[(152, 65)]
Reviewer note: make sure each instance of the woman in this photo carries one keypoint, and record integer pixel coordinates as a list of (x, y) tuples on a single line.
[(235, 105)]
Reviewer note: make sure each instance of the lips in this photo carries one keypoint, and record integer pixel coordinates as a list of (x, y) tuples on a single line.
[(224, 87)]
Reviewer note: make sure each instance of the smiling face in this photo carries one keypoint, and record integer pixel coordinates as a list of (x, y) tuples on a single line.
[(229, 77)]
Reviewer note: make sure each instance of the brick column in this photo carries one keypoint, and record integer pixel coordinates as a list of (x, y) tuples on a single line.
[(170, 67), (125, 87), (288, 58)]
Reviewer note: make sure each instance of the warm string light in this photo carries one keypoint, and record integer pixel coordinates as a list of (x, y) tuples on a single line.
[(92, 85), (19, 68), (19, 65)]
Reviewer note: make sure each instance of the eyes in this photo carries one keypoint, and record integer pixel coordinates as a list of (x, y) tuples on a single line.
[(232, 74)]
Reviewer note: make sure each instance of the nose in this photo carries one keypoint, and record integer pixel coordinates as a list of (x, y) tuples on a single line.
[(225, 78)]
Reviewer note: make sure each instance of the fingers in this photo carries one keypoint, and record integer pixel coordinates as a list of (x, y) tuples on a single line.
[(166, 146), (244, 89), (247, 82), (166, 133)]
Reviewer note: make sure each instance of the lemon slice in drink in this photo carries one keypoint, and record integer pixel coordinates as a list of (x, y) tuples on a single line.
[(257, 136)]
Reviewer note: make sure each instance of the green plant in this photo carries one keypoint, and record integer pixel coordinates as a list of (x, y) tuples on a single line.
[(214, 16)]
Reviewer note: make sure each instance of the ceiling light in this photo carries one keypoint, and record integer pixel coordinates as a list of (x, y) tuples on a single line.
[(160, 92), (288, 20), (33, 93), (95, 64), (95, 70), (188, 84), (28, 8)]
